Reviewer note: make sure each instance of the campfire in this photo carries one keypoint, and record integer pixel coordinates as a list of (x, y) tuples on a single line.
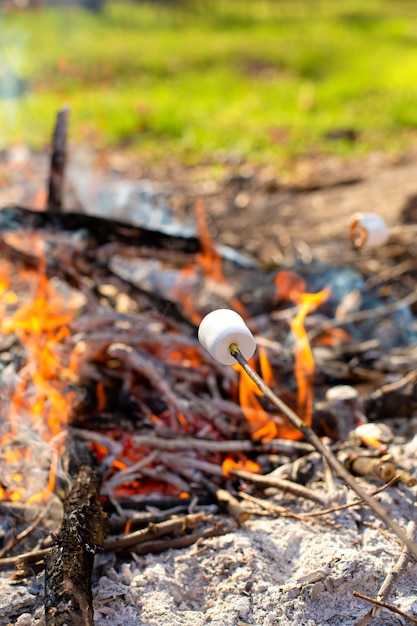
[(121, 433)]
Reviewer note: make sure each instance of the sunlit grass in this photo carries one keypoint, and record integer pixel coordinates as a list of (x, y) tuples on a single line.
[(264, 79)]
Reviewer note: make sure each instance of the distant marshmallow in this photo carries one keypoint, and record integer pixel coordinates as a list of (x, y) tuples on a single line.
[(219, 329), (368, 230)]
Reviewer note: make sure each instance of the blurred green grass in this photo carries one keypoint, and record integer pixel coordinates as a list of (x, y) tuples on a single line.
[(263, 79)]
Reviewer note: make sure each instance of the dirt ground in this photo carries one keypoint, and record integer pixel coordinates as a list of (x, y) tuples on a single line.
[(312, 203)]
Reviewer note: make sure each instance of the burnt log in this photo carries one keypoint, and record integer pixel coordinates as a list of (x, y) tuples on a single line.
[(58, 162), (100, 230), (69, 564)]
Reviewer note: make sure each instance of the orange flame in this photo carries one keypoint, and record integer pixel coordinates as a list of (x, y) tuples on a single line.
[(210, 258), (263, 428), (41, 326), (304, 366), (292, 287), (229, 464), (209, 264), (39, 405), (261, 425)]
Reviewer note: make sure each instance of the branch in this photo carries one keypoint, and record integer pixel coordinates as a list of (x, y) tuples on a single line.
[(385, 605)]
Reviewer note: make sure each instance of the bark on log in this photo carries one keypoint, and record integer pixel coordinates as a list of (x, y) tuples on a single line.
[(69, 565)]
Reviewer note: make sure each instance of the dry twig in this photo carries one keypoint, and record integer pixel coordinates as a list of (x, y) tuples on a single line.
[(385, 605), (389, 580), (176, 526), (279, 483)]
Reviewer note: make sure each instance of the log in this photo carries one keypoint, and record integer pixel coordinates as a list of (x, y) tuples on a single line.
[(100, 230), (58, 162), (69, 564)]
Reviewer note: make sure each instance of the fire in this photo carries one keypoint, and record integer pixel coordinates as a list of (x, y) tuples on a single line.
[(39, 406), (229, 464), (209, 258), (40, 403), (263, 427), (304, 362), (207, 267), (291, 287)]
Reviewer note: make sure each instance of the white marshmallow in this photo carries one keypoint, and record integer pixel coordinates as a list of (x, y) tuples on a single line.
[(368, 230), (221, 328)]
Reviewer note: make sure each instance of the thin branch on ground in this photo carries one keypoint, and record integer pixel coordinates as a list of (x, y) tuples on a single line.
[(385, 605), (389, 580), (14, 541), (359, 502)]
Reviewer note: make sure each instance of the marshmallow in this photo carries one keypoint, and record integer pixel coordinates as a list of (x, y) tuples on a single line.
[(368, 230), (219, 329)]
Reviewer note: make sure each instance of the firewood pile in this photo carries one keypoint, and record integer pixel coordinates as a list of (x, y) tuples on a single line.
[(120, 433)]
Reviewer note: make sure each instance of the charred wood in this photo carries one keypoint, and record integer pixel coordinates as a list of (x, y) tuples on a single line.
[(178, 526), (69, 564), (58, 162), (77, 264), (100, 230)]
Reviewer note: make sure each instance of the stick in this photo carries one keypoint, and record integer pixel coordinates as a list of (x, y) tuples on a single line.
[(11, 543), (160, 545), (282, 484), (58, 162), (385, 605), (227, 501), (176, 526), (311, 436), (24, 560), (389, 579), (69, 564), (399, 566), (343, 507), (211, 445), (275, 510)]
